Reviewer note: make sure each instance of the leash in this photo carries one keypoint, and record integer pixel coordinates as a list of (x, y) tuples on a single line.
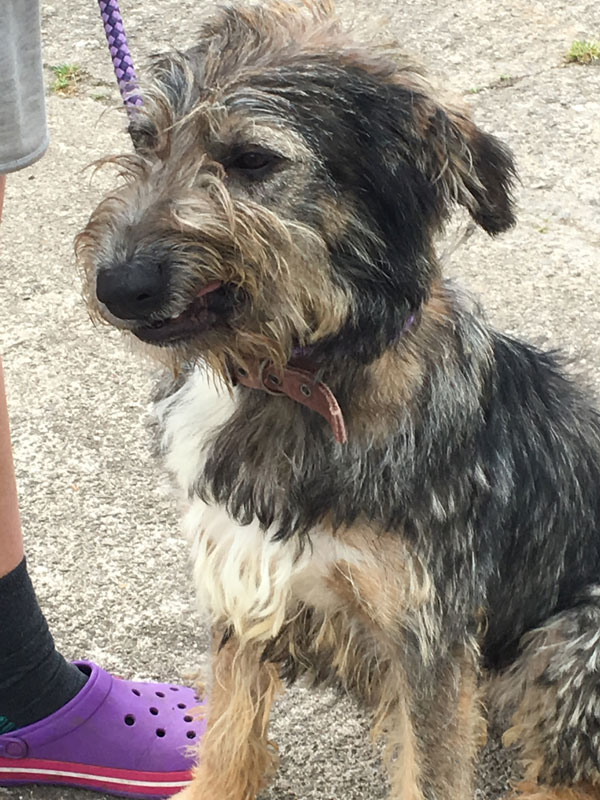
[(119, 51)]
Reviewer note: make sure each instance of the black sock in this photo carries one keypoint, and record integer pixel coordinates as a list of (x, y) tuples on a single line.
[(35, 680)]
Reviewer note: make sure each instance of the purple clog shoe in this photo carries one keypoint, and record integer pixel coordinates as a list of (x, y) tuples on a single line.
[(120, 737)]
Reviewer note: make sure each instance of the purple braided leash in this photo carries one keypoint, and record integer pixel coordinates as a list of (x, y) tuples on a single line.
[(119, 50)]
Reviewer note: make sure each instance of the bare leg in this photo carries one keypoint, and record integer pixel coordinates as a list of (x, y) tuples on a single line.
[(35, 680), (11, 538)]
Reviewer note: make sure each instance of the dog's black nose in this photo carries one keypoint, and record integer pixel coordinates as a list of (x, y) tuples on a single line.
[(132, 291)]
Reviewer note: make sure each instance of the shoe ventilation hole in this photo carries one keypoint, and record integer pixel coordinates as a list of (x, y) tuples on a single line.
[(160, 732), (129, 719), (174, 688), (196, 697), (136, 692), (187, 718), (154, 711), (181, 705), (159, 694), (191, 734)]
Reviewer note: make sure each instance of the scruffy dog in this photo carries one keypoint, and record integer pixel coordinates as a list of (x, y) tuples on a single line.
[(382, 492)]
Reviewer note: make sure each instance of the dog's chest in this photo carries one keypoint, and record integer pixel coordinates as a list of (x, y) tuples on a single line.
[(243, 578)]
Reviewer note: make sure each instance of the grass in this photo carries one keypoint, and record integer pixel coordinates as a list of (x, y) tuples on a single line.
[(66, 78), (583, 52)]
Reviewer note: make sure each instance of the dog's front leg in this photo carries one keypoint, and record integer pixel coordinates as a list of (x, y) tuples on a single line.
[(236, 759), (434, 734)]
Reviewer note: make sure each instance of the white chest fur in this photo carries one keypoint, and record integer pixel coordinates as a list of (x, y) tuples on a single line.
[(242, 577)]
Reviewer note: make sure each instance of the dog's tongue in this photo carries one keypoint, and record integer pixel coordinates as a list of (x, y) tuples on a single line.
[(212, 287), (195, 306), (196, 318)]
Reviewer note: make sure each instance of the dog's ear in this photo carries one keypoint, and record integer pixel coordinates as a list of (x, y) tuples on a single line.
[(470, 167)]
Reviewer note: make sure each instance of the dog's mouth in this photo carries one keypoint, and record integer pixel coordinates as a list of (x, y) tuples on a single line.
[(210, 307)]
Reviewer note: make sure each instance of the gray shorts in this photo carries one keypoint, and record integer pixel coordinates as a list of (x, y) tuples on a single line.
[(23, 129)]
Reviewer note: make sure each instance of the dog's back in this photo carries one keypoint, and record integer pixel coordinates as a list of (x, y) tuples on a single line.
[(540, 440)]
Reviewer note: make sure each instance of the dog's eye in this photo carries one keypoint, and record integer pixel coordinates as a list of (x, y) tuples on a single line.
[(254, 164), (252, 161)]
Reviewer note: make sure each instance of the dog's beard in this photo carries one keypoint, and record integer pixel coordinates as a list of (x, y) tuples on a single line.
[(246, 286)]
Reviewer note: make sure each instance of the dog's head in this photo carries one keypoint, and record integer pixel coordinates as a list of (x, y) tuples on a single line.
[(285, 190)]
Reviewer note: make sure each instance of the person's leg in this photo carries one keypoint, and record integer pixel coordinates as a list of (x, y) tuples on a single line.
[(11, 540), (107, 737), (61, 723), (2, 187), (35, 680)]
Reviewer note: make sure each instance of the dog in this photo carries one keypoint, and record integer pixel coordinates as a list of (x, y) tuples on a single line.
[(382, 492)]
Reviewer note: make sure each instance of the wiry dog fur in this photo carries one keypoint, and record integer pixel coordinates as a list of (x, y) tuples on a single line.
[(298, 180)]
